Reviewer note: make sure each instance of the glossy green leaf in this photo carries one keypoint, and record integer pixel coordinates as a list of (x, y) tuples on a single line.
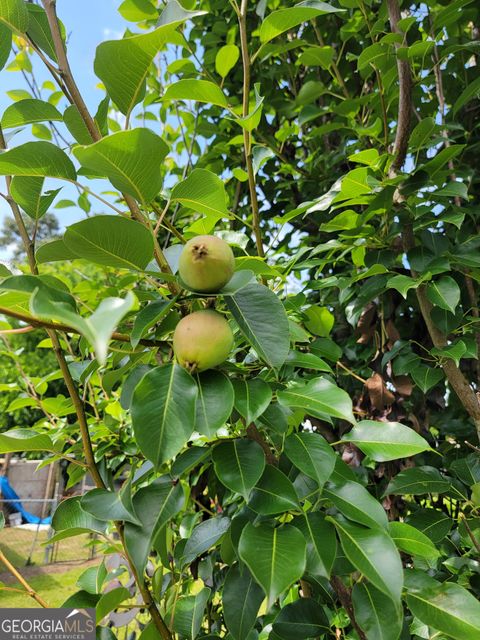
[(275, 556), (282, 20), (378, 616), (444, 293), (204, 536), (27, 193), (5, 44), (112, 241), (226, 59), (214, 402), (106, 505), (417, 481), (37, 159), (356, 503), (25, 440), (433, 523), (163, 412), (383, 441), (76, 125), (373, 553), (447, 607), (109, 601), (188, 614), (198, 90), (203, 192), (29, 111), (263, 321), (312, 454), (426, 377), (154, 505), (317, 56), (137, 10), (92, 579), (96, 328), (241, 601), (252, 397), (53, 252), (300, 620), (239, 464), (471, 91), (307, 361), (319, 398), (410, 540), (321, 543), (148, 317), (69, 515), (39, 30), (131, 160), (274, 493), (14, 14)]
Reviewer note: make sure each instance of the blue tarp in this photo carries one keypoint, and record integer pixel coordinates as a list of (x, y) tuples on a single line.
[(8, 493)]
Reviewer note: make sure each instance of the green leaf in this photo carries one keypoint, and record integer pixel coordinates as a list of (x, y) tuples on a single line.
[(76, 125), (54, 251), (110, 601), (402, 284), (14, 14), (97, 328), (372, 56), (282, 20), (214, 402), (5, 44), (434, 524), (28, 111), (163, 412), (312, 454), (444, 293), (274, 493), (198, 90), (112, 241), (131, 160), (203, 192), (189, 459), (421, 134), (263, 321), (125, 82), (189, 612), (155, 506), (300, 620), (27, 193), (204, 536), (356, 503), (275, 557), (447, 607), (226, 58), (383, 441), (319, 398), (137, 10), (426, 377), (319, 321), (417, 481), (374, 554), (69, 515), (239, 464), (321, 543), (241, 601), (252, 397), (39, 30), (412, 541), (443, 157), (25, 440), (317, 56), (148, 317), (376, 613), (37, 159), (92, 579), (307, 361), (106, 505), (471, 91)]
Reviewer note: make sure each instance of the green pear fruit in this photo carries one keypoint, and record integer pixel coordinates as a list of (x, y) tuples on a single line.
[(202, 340), (206, 264)]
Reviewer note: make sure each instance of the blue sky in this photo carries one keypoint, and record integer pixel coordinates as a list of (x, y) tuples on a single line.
[(88, 22)]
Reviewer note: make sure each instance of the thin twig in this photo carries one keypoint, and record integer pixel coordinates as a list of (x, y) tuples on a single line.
[(29, 590)]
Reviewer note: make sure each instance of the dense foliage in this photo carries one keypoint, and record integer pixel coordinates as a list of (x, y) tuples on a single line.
[(324, 481)]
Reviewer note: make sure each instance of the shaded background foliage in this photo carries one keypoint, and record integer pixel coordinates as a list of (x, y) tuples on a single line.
[(364, 144)]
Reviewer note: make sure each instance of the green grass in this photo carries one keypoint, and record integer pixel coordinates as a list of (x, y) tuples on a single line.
[(54, 588)]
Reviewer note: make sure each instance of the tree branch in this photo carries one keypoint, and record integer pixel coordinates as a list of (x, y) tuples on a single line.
[(18, 576), (247, 139), (345, 598), (400, 146)]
